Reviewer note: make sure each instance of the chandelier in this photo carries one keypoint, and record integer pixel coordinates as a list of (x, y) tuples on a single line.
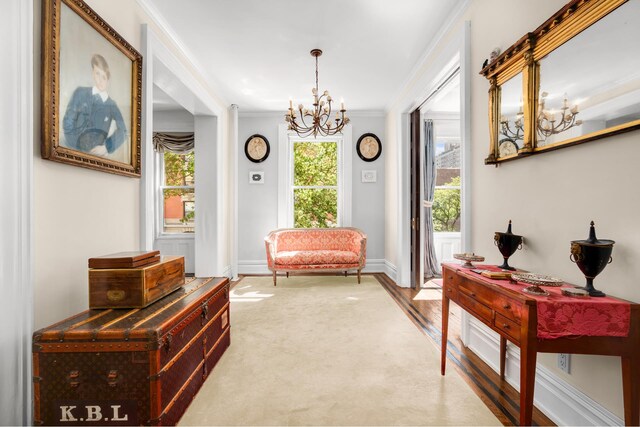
[(316, 120), (548, 122)]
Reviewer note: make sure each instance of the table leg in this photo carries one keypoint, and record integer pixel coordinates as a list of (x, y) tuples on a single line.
[(631, 389), (445, 330), (503, 354), (527, 382)]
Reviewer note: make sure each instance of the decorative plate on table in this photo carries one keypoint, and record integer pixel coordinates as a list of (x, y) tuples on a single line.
[(536, 279), (468, 258), (575, 292)]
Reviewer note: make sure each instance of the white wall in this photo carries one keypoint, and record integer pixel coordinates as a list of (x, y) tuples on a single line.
[(16, 243), (173, 121), (258, 203), (79, 213), (550, 197)]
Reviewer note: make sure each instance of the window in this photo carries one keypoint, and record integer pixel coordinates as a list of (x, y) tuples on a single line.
[(315, 185), (314, 182), (446, 200), (178, 193)]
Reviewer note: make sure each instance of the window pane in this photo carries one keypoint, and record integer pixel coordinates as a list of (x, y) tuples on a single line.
[(447, 141), (446, 209), (315, 163), (315, 208), (179, 169), (179, 211)]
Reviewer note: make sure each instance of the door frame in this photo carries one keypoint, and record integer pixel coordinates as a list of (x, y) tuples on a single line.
[(165, 70), (416, 195), (457, 51), (17, 225)]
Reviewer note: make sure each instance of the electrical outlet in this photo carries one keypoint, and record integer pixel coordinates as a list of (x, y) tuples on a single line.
[(564, 362)]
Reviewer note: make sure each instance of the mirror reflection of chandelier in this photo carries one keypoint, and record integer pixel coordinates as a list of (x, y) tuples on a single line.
[(517, 132), (551, 122), (548, 122), (316, 120)]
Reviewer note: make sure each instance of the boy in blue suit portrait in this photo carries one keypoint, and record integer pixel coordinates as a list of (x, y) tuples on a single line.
[(93, 122)]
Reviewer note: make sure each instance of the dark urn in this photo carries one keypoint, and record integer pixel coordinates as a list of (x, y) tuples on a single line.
[(507, 243), (591, 256)]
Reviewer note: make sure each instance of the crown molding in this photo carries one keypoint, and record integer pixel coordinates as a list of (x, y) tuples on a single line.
[(157, 19), (454, 16)]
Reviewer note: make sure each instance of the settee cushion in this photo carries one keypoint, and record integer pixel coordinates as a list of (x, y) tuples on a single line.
[(316, 257)]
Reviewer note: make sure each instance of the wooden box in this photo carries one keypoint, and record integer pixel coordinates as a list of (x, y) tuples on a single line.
[(131, 367), (125, 259), (135, 287)]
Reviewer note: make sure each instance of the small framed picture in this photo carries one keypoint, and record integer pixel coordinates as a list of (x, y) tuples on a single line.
[(369, 176), (256, 177)]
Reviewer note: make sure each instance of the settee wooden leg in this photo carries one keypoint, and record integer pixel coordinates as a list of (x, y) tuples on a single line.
[(274, 278), (345, 274), (358, 276), (287, 274)]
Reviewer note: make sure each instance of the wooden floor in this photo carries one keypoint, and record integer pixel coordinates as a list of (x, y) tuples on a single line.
[(500, 397)]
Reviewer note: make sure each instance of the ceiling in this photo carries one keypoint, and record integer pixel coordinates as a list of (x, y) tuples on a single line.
[(255, 53)]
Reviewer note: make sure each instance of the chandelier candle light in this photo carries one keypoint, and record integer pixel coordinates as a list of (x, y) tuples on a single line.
[(548, 122), (551, 122), (306, 122)]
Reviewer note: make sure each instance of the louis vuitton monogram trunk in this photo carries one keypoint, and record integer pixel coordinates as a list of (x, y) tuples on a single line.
[(131, 366)]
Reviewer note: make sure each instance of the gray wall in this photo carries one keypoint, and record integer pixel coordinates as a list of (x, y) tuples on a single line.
[(258, 204)]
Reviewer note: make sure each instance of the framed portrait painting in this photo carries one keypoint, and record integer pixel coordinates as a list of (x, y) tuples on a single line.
[(91, 91)]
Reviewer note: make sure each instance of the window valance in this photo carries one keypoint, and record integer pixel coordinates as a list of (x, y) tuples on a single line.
[(175, 142)]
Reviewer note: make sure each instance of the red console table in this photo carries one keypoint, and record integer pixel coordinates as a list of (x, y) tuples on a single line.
[(514, 316)]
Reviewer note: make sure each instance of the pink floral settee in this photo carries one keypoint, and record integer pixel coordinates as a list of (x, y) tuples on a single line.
[(315, 249)]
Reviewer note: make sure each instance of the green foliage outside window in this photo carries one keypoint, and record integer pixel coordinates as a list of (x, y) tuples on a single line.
[(315, 208), (179, 171), (315, 165), (446, 207)]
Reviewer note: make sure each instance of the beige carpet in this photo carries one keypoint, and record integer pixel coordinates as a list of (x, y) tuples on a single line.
[(323, 350)]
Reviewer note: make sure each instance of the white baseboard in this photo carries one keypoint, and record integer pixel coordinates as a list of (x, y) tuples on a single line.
[(260, 267), (560, 401), (391, 271), (253, 267), (228, 272)]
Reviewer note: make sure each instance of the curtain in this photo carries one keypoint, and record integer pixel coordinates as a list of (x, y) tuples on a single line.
[(431, 267), (173, 142)]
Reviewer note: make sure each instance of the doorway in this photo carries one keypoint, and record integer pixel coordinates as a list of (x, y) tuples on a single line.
[(168, 82), (436, 211)]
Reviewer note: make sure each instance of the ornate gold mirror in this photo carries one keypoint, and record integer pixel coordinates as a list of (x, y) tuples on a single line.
[(576, 78)]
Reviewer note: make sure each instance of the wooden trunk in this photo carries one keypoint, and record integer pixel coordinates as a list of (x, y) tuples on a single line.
[(131, 367), (125, 259), (135, 287)]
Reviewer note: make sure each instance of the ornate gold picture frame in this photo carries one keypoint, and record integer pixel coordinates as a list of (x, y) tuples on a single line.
[(91, 91), (574, 79)]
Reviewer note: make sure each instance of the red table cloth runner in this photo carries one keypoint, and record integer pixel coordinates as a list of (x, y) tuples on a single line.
[(563, 316)]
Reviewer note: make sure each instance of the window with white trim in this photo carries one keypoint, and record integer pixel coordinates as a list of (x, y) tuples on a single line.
[(315, 186), (329, 180), (177, 193), (446, 207)]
